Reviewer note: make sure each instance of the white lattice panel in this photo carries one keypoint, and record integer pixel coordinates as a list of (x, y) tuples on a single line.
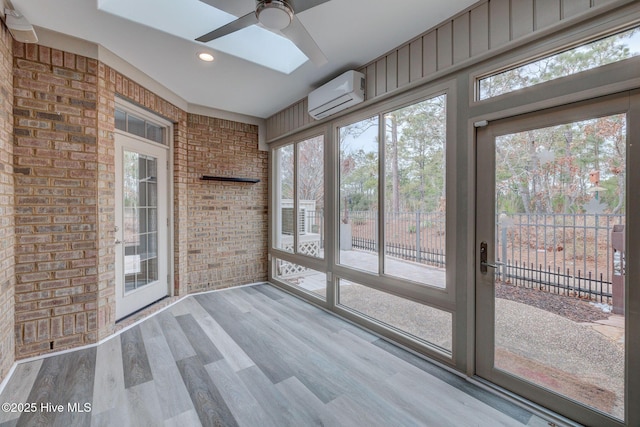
[(311, 248)]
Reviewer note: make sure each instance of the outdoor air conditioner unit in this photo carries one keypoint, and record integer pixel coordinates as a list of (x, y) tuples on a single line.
[(342, 92)]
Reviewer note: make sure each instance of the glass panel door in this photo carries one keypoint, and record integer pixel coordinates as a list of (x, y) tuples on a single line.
[(551, 222), (140, 227), (141, 218)]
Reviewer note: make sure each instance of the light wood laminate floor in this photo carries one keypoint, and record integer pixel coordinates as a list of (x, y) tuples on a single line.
[(248, 356)]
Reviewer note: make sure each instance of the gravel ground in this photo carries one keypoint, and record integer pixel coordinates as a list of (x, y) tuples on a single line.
[(564, 355), (546, 337)]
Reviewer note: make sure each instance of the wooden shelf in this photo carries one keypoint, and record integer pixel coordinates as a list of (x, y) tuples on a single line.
[(229, 179)]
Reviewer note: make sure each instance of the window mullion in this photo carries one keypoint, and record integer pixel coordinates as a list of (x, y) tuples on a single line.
[(381, 196), (296, 197)]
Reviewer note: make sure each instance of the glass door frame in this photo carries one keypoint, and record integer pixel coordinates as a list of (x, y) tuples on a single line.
[(629, 103), (145, 295)]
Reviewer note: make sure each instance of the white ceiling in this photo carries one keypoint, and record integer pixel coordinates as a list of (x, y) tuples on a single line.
[(351, 33)]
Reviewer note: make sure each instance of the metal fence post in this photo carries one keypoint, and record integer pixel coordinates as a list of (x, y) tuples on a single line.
[(418, 232), (503, 265)]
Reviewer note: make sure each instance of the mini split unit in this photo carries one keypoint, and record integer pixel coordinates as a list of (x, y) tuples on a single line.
[(342, 92)]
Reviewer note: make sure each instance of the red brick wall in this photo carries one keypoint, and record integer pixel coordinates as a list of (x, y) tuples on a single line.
[(63, 165), (7, 240), (55, 165), (227, 233), (106, 201)]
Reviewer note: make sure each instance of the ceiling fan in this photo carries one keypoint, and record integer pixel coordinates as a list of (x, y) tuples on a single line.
[(278, 16)]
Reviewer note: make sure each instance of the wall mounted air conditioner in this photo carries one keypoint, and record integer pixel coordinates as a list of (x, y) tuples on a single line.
[(342, 92)]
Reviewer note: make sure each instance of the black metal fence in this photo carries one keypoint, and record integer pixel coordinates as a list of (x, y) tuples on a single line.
[(563, 253), (413, 236), (530, 276), (560, 253)]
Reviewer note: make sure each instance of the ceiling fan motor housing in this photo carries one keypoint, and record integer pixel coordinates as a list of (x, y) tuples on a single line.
[(274, 14)]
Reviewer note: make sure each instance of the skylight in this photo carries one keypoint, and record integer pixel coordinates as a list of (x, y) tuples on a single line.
[(189, 19)]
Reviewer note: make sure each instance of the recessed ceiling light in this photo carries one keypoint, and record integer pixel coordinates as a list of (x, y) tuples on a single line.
[(207, 57)]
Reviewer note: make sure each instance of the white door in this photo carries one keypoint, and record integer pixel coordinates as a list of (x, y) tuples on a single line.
[(141, 224)]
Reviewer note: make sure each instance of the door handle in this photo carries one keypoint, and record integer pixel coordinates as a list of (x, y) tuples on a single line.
[(484, 259), (117, 242)]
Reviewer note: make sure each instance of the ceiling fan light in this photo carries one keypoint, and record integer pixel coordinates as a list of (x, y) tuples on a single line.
[(275, 15)]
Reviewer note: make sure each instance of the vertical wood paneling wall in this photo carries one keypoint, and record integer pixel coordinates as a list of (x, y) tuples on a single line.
[(484, 27)]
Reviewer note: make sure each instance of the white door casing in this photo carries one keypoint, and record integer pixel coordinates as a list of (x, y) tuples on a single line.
[(142, 232)]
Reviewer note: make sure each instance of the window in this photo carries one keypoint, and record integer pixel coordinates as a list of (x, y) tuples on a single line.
[(301, 277), (310, 190), (285, 203), (610, 49), (421, 322), (415, 197), (359, 182), (385, 264), (300, 172), (412, 226), (136, 125)]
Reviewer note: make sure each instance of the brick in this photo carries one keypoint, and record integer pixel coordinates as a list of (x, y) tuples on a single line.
[(43, 329), (40, 124), (74, 308), (64, 127), (66, 274), (53, 284), (68, 74), (32, 315), (69, 291), (32, 277), (66, 109), (29, 332), (52, 266), (50, 116), (34, 349), (50, 229), (68, 323), (68, 342), (55, 302), (66, 91), (32, 85), (31, 104), (27, 287), (57, 57), (32, 258), (56, 327), (50, 79), (50, 192)]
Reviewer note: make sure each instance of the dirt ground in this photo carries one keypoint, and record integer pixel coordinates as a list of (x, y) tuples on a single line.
[(572, 308)]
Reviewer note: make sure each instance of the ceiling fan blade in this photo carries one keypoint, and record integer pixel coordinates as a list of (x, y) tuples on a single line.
[(233, 26), (302, 5), (303, 40)]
